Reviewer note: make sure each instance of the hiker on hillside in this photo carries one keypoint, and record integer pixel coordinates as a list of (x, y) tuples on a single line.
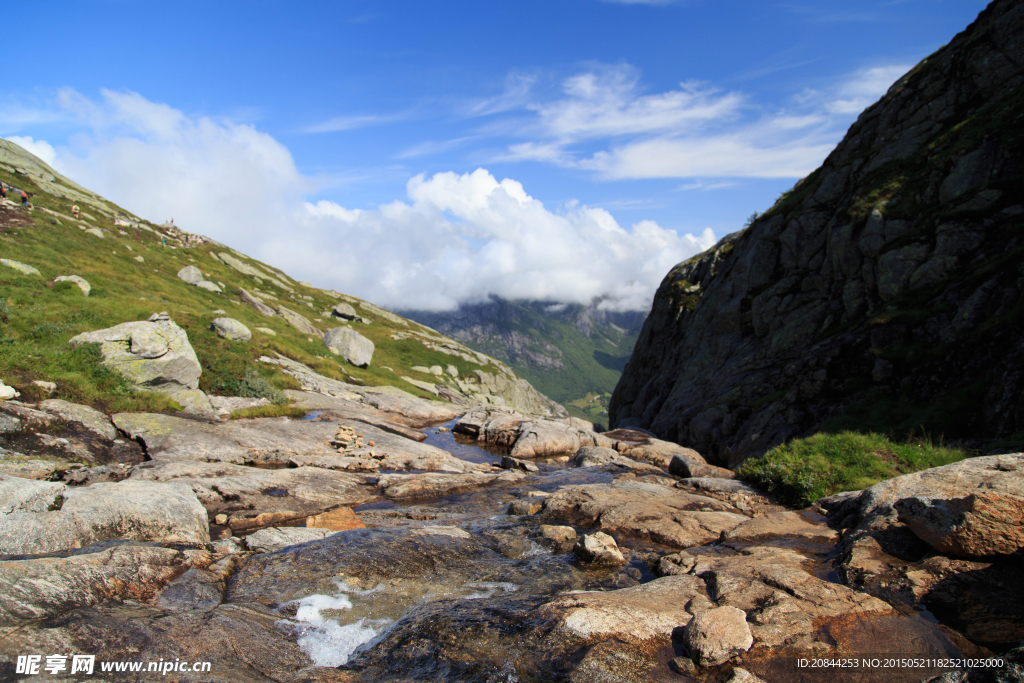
[(74, 210), (3, 191), (24, 198)]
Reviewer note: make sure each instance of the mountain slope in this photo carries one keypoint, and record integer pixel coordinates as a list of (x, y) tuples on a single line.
[(884, 292), (132, 267), (570, 352)]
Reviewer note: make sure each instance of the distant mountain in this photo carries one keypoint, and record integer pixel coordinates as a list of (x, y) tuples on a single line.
[(570, 352)]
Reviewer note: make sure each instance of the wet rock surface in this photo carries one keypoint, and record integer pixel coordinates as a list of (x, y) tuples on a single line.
[(606, 567)]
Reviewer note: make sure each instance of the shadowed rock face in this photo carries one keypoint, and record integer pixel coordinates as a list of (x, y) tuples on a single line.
[(889, 274)]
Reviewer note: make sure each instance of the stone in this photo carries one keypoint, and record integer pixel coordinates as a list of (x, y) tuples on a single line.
[(256, 303), (154, 355), (195, 590), (451, 371), (783, 525), (350, 345), (591, 456), (229, 328), (140, 258), (274, 538), (682, 466), (7, 393), (740, 675), (48, 387), (559, 534), (225, 405), (716, 635), (209, 286), (88, 417), (81, 282), (191, 275), (340, 519), (436, 370), (133, 510), (989, 521), (509, 463), (27, 495), (598, 549), (344, 311), (22, 268), (96, 232)]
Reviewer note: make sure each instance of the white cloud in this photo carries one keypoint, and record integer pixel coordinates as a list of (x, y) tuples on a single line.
[(41, 148), (340, 123), (453, 238), (693, 131)]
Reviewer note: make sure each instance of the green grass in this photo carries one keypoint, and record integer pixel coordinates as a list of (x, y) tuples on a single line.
[(38, 317), (804, 470), (268, 411)]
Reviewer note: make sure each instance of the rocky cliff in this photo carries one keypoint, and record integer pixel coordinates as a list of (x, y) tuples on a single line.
[(883, 292)]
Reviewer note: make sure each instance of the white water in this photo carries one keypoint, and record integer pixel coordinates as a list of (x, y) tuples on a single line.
[(327, 642)]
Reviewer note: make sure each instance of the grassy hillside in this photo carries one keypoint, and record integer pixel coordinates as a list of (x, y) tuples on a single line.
[(133, 270)]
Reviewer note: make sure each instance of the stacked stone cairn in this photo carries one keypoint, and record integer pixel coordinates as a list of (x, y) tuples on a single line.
[(348, 440)]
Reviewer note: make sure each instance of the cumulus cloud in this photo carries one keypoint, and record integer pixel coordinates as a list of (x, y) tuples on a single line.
[(453, 238)]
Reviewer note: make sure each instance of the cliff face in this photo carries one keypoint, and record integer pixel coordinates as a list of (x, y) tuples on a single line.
[(883, 292)]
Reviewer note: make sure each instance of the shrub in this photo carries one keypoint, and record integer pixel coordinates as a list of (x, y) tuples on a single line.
[(255, 385), (804, 470)]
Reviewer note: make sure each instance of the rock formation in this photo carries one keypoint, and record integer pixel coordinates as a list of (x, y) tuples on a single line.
[(888, 277)]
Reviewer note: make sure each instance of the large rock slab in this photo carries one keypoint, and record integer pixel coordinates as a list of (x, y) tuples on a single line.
[(414, 411), (22, 268), (299, 322), (255, 497), (267, 441), (257, 303), (783, 601), (152, 354), (41, 588), (88, 417), (132, 510), (350, 345), (353, 409), (541, 438), (667, 516), (27, 495)]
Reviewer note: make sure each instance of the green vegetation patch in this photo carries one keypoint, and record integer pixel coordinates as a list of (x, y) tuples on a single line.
[(268, 411), (804, 470)]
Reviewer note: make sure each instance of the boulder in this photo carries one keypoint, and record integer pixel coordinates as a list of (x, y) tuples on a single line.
[(274, 538), (191, 275), (593, 456), (345, 311), (299, 322), (229, 328), (209, 286), (96, 232), (22, 268), (350, 345), (256, 303), (81, 282), (133, 510), (716, 635), (7, 393), (510, 463), (683, 466), (783, 525), (153, 354), (340, 519), (598, 549)]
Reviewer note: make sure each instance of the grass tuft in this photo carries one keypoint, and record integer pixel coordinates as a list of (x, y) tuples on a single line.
[(268, 411), (804, 470)]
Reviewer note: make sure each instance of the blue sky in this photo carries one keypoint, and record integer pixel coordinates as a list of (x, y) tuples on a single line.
[(342, 140)]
